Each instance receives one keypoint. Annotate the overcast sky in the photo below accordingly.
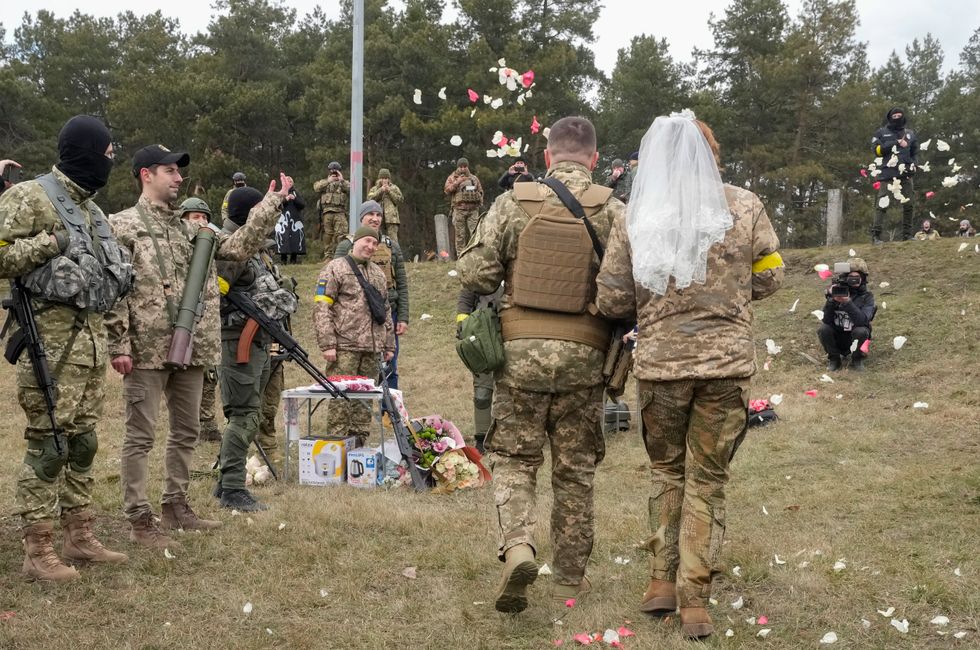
(886, 25)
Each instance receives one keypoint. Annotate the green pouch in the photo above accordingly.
(480, 344)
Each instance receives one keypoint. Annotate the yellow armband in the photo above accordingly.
(223, 286)
(461, 317)
(770, 261)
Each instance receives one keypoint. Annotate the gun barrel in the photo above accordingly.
(190, 299)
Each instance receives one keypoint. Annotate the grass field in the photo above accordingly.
(854, 474)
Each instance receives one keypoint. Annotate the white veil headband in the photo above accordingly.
(677, 209)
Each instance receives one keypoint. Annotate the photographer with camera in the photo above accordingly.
(11, 172)
(516, 173)
(847, 315)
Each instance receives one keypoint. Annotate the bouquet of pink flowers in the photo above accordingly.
(443, 452)
(455, 471)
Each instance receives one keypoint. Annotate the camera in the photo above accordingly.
(839, 290)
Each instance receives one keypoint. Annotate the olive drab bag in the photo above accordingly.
(480, 344)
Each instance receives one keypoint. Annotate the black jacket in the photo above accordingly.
(885, 144)
(858, 312)
(507, 181)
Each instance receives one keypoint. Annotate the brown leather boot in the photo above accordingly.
(80, 542)
(695, 622)
(40, 560)
(178, 515)
(660, 598)
(520, 570)
(146, 532)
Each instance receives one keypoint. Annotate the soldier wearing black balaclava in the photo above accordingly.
(896, 149)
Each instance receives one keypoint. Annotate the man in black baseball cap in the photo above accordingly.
(157, 154)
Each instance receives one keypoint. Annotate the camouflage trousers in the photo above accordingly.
(271, 397)
(241, 397)
(691, 429)
(482, 401)
(209, 428)
(78, 407)
(334, 225)
(391, 229)
(523, 423)
(351, 417)
(465, 220)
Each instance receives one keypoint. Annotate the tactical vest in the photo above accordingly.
(334, 196)
(465, 195)
(273, 295)
(551, 284)
(91, 275)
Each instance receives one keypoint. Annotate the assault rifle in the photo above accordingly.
(27, 337)
(258, 319)
(409, 453)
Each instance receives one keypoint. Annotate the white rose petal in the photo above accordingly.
(957, 572)
(924, 167)
(950, 181)
(865, 623)
(738, 603)
(802, 565)
(959, 635)
(772, 348)
(764, 511)
(442, 93)
(925, 145)
(418, 96)
(839, 396)
(456, 140)
(324, 593)
(167, 554)
(828, 638)
(884, 304)
(898, 342)
(545, 570)
(247, 609)
(453, 273)
(821, 267)
(764, 632)
(750, 621)
(776, 400)
(496, 103)
(712, 601)
(887, 612)
(883, 202)
(793, 308)
(425, 317)
(921, 405)
(473, 112)
(940, 620)
(884, 285)
(729, 633)
(827, 379)
(282, 525)
(900, 625)
(852, 253)
(854, 345)
(941, 145)
(737, 571)
(818, 313)
(839, 565)
(546, 132)
(610, 637)
(502, 62)
(778, 561)
(962, 247)
(621, 560)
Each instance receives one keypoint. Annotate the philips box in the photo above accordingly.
(323, 461)
(364, 467)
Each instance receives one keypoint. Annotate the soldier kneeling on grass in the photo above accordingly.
(847, 316)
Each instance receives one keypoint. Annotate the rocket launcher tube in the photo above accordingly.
(192, 300)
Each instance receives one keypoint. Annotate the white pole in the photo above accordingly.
(357, 115)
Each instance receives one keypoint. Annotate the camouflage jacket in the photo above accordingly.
(341, 315)
(454, 189)
(621, 186)
(140, 326)
(540, 365)
(224, 208)
(705, 330)
(395, 275)
(334, 195)
(389, 199)
(27, 221)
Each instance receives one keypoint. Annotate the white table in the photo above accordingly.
(292, 400)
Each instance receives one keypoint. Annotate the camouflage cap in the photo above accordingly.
(384, 173)
(365, 231)
(858, 264)
(462, 161)
(194, 204)
(334, 166)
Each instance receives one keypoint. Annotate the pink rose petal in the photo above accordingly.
(929, 195)
(876, 185)
(825, 274)
(535, 125)
(810, 393)
(474, 96)
(625, 632)
(570, 602)
(864, 172)
(584, 638)
(763, 620)
(527, 78)
(866, 346)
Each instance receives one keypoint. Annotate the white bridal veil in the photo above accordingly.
(677, 208)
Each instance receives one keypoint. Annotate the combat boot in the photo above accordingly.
(520, 571)
(80, 542)
(178, 515)
(562, 593)
(40, 560)
(857, 363)
(241, 500)
(146, 532)
(660, 598)
(833, 362)
(695, 622)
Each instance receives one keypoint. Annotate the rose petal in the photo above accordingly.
(474, 96)
(570, 602)
(828, 638)
(247, 609)
(810, 393)
(900, 625)
(456, 140)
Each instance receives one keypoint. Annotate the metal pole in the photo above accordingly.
(835, 217)
(357, 114)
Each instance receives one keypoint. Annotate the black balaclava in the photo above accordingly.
(240, 202)
(895, 124)
(81, 152)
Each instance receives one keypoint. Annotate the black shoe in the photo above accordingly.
(241, 500)
(216, 492)
(833, 363)
(479, 445)
(857, 363)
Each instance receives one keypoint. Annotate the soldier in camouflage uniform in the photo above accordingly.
(466, 304)
(33, 239)
(198, 213)
(388, 257)
(140, 330)
(549, 391)
(694, 358)
(347, 335)
(243, 382)
(466, 197)
(237, 180)
(334, 194)
(390, 197)
(619, 179)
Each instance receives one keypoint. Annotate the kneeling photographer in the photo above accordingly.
(847, 315)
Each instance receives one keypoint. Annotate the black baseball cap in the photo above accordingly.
(157, 154)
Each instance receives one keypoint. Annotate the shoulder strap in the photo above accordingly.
(575, 208)
(167, 287)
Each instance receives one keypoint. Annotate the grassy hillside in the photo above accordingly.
(854, 474)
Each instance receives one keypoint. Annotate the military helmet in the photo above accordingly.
(334, 166)
(238, 177)
(858, 264)
(194, 204)
(384, 173)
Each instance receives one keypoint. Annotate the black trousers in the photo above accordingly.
(837, 342)
(908, 227)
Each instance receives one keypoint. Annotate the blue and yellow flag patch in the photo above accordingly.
(321, 293)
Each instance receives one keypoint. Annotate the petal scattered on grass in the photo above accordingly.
(247, 609)
(959, 635)
(778, 560)
(621, 560)
(900, 625)
(898, 342)
(570, 602)
(839, 565)
(763, 620)
(737, 571)
(810, 393)
(583, 637)
(827, 379)
(453, 273)
(962, 247)
(764, 511)
(776, 400)
(729, 633)
(852, 253)
(887, 612)
(610, 637)
(410, 573)
(282, 525)
(738, 604)
(764, 632)
(957, 572)
(941, 145)
(324, 593)
(828, 638)
(425, 317)
(167, 554)
(793, 308)
(772, 348)
(940, 620)
(865, 623)
(921, 405)
(884, 285)
(442, 93)
(818, 313)
(883, 202)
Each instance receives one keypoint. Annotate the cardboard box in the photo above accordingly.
(322, 461)
(364, 468)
